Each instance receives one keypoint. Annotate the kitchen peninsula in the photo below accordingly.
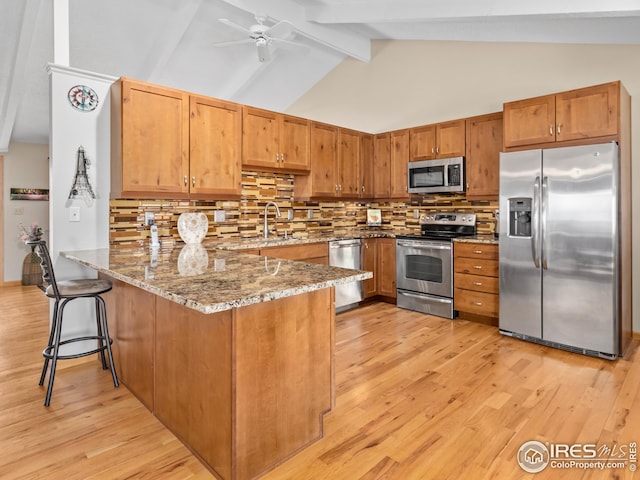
(233, 352)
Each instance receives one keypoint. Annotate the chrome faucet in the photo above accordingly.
(266, 226)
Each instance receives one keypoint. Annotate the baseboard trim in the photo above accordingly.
(11, 283)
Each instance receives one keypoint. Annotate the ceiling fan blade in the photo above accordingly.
(231, 24)
(288, 45)
(281, 29)
(233, 42)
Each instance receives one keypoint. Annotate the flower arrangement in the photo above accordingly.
(32, 233)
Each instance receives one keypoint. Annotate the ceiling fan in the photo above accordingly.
(263, 36)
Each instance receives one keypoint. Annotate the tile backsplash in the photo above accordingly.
(244, 217)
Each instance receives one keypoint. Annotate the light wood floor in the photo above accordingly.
(418, 397)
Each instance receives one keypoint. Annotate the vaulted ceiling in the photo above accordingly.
(173, 42)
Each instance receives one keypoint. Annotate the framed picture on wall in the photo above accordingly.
(29, 194)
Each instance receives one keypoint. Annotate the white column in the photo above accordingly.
(61, 32)
(71, 128)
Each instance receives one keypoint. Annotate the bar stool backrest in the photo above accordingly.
(47, 267)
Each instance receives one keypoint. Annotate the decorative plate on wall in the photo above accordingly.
(83, 98)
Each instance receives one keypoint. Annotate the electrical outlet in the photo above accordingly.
(74, 214)
(416, 213)
(219, 216)
(149, 218)
(310, 214)
(290, 214)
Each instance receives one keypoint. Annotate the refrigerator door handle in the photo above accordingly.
(536, 223)
(543, 226)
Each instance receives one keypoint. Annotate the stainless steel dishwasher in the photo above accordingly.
(347, 254)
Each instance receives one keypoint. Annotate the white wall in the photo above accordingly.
(25, 165)
(410, 83)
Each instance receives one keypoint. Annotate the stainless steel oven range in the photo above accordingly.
(424, 263)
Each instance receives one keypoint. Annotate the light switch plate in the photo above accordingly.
(219, 216)
(74, 214)
(310, 214)
(416, 213)
(290, 214)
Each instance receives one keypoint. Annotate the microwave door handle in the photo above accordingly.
(536, 223)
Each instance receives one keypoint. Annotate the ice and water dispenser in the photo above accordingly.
(520, 217)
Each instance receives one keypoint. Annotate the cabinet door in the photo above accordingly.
(529, 122)
(587, 112)
(484, 143)
(155, 139)
(399, 163)
(215, 147)
(324, 159)
(369, 257)
(450, 139)
(349, 163)
(382, 166)
(366, 167)
(294, 144)
(386, 270)
(423, 143)
(259, 138)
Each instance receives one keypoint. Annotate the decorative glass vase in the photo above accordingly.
(192, 227)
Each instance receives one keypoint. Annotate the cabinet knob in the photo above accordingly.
(433, 150)
(478, 252)
(558, 129)
(362, 188)
(437, 150)
(282, 157)
(479, 304)
(477, 284)
(551, 130)
(185, 181)
(478, 267)
(193, 181)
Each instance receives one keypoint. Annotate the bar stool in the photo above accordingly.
(63, 292)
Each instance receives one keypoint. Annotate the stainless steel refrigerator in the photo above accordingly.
(559, 248)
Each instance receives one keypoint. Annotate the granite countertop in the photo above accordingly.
(487, 238)
(211, 280)
(260, 242)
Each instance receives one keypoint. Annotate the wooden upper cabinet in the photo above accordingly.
(366, 166)
(294, 141)
(423, 142)
(259, 138)
(215, 147)
(150, 141)
(588, 112)
(275, 142)
(399, 164)
(442, 140)
(450, 139)
(531, 121)
(484, 143)
(324, 156)
(572, 116)
(382, 165)
(349, 184)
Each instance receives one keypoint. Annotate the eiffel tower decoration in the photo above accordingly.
(81, 186)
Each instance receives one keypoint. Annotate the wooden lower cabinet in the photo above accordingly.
(309, 252)
(245, 388)
(370, 264)
(379, 257)
(476, 283)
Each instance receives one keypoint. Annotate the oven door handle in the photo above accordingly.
(431, 299)
(424, 246)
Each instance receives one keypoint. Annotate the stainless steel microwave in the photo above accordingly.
(443, 175)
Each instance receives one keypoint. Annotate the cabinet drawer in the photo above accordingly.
(476, 250)
(476, 266)
(481, 303)
(298, 252)
(477, 283)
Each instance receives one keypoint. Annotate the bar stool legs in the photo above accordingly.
(52, 352)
